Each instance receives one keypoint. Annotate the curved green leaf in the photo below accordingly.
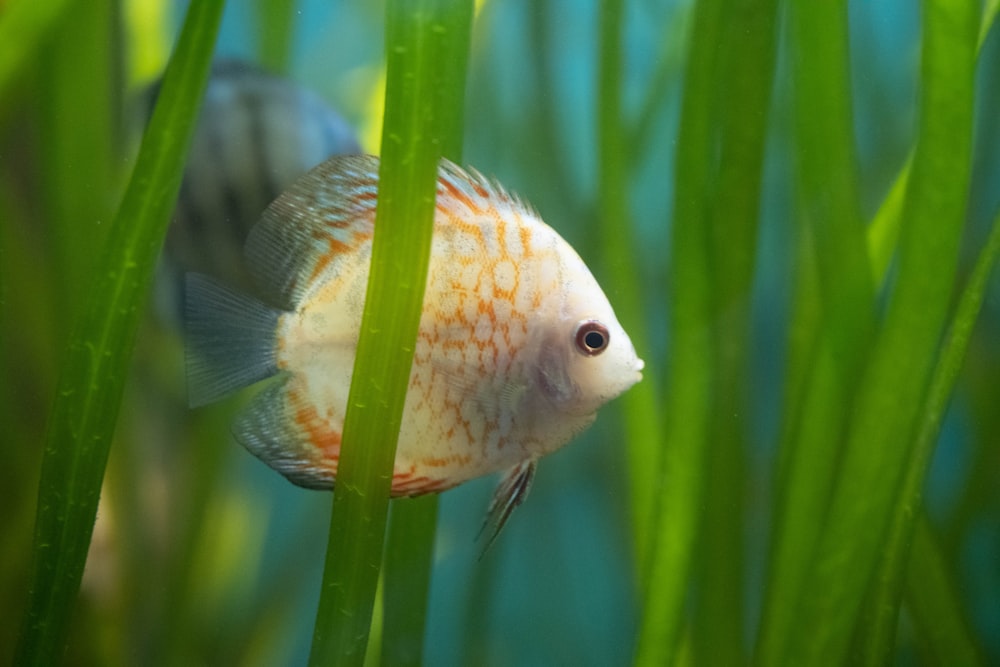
(689, 391)
(96, 362)
(887, 405)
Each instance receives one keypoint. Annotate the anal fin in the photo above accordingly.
(269, 427)
(510, 492)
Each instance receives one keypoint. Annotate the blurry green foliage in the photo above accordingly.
(793, 279)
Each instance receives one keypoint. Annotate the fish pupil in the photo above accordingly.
(591, 337)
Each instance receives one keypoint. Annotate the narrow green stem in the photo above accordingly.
(689, 397)
(24, 24)
(409, 550)
(990, 10)
(96, 362)
(550, 135)
(883, 232)
(826, 170)
(745, 74)
(888, 588)
(833, 315)
(887, 405)
(78, 75)
(937, 609)
(642, 419)
(422, 98)
(409, 557)
(663, 85)
(275, 32)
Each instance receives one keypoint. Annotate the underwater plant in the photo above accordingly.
(793, 208)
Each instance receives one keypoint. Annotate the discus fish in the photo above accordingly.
(256, 134)
(517, 347)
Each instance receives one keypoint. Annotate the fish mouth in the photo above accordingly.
(637, 366)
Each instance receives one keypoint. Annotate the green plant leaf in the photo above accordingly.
(24, 24)
(887, 404)
(642, 420)
(833, 312)
(937, 609)
(990, 10)
(409, 557)
(96, 362)
(689, 391)
(78, 70)
(409, 549)
(888, 589)
(745, 73)
(423, 105)
(275, 32)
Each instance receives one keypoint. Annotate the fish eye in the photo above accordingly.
(591, 338)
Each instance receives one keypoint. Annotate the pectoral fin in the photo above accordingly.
(510, 493)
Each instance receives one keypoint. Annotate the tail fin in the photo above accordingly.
(229, 340)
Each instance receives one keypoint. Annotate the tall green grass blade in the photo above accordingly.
(802, 354)
(826, 170)
(548, 132)
(275, 32)
(809, 447)
(27, 339)
(24, 24)
(421, 101)
(887, 404)
(688, 398)
(198, 488)
(19, 324)
(990, 10)
(642, 420)
(6, 407)
(670, 60)
(883, 232)
(409, 557)
(96, 362)
(832, 342)
(935, 605)
(888, 589)
(409, 551)
(878, 630)
(745, 74)
(78, 91)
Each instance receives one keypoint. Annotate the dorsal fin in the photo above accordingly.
(331, 208)
(469, 189)
(325, 212)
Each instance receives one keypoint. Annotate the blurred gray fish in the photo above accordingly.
(257, 133)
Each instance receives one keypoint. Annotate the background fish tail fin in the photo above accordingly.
(229, 339)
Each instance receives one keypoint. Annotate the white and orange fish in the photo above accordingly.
(517, 348)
